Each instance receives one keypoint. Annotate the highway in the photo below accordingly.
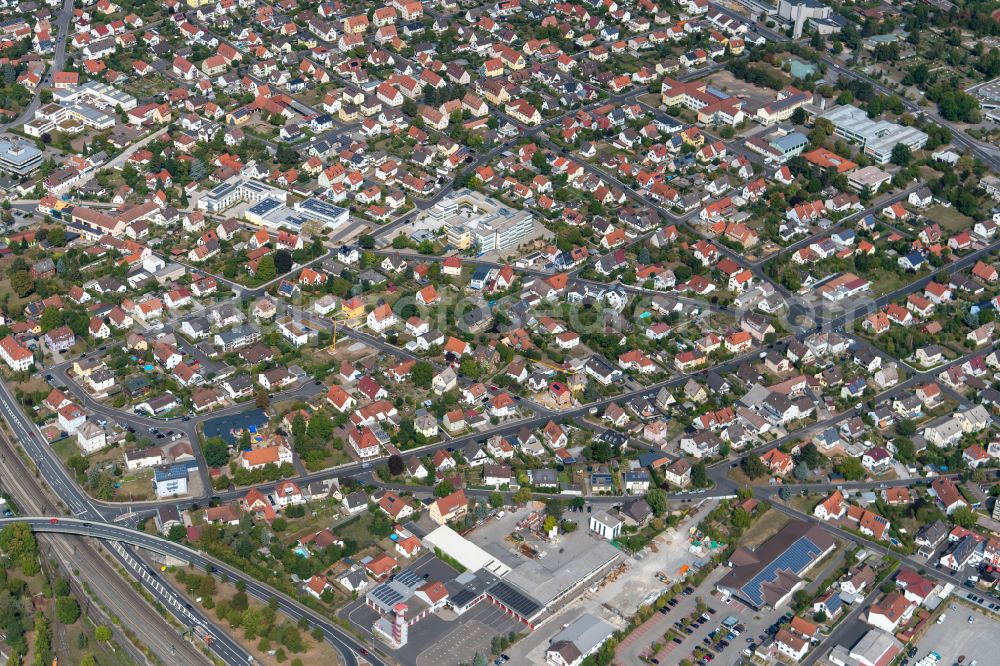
(81, 505)
(345, 643)
(83, 559)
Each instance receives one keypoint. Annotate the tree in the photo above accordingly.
(906, 452)
(18, 541)
(262, 398)
(176, 533)
(811, 456)
(901, 154)
(801, 600)
(522, 496)
(21, 283)
(282, 261)
(79, 465)
(422, 374)
(51, 318)
(906, 427)
(656, 498)
(699, 476)
(740, 519)
(445, 487)
(266, 269)
(56, 236)
(496, 500)
(396, 466)
(601, 451)
(550, 523)
(754, 467)
(965, 517)
(102, 632)
(801, 471)
(286, 155)
(67, 610)
(216, 452)
(850, 468)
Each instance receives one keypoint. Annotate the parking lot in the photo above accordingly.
(750, 624)
(978, 641)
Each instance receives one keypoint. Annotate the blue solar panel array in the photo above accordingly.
(795, 558)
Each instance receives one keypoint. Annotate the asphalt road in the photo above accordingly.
(83, 508)
(82, 558)
(345, 643)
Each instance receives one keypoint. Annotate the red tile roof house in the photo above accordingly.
(450, 507)
(778, 462)
(317, 585)
(381, 566)
(891, 612)
(395, 506)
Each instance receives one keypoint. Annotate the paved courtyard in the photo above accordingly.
(470, 633)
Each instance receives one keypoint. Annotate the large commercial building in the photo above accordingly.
(778, 147)
(798, 13)
(783, 107)
(274, 214)
(236, 190)
(878, 137)
(712, 105)
(321, 211)
(768, 576)
(19, 157)
(471, 219)
(96, 94)
(71, 119)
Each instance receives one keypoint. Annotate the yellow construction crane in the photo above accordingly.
(333, 347)
(557, 368)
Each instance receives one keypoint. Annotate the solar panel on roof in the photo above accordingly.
(795, 558)
(517, 601)
(387, 595)
(409, 578)
(463, 597)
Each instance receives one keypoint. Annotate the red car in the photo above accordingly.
(53, 521)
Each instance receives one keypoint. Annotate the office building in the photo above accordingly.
(798, 13)
(878, 137)
(19, 157)
(274, 214)
(471, 219)
(97, 94)
(71, 119)
(321, 211)
(236, 190)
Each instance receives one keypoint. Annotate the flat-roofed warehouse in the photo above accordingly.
(483, 579)
(466, 553)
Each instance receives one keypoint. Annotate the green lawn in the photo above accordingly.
(359, 530)
(65, 448)
(949, 218)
